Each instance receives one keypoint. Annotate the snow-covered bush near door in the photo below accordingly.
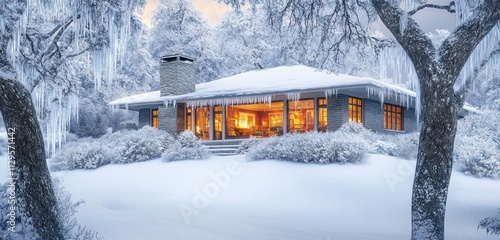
(336, 147)
(188, 146)
(246, 145)
(477, 144)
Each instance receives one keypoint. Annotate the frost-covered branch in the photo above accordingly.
(413, 40)
(450, 8)
(457, 48)
(60, 31)
(462, 92)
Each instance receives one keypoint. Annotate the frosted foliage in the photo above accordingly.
(99, 27)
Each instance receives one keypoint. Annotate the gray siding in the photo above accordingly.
(144, 117)
(177, 78)
(410, 120)
(373, 115)
(337, 111)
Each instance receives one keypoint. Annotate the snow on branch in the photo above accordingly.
(461, 93)
(450, 8)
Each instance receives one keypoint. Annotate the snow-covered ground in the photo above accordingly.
(230, 198)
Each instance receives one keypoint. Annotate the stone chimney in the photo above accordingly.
(176, 75)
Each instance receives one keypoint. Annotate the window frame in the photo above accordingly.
(154, 117)
(393, 117)
(355, 109)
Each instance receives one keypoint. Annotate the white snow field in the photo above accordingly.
(237, 199)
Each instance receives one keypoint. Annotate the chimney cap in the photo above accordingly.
(176, 58)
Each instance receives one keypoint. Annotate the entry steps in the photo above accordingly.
(223, 147)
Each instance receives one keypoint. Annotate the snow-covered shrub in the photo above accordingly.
(66, 210)
(397, 145)
(125, 146)
(336, 147)
(136, 146)
(477, 144)
(84, 154)
(491, 224)
(246, 145)
(478, 156)
(188, 146)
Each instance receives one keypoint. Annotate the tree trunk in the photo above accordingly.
(434, 161)
(35, 199)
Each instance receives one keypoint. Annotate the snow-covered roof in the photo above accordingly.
(261, 85)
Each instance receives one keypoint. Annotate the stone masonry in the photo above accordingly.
(177, 76)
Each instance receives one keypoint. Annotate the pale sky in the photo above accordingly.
(213, 11)
(429, 19)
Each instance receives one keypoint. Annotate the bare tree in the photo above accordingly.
(437, 70)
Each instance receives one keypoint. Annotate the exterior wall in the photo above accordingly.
(167, 119)
(177, 78)
(373, 115)
(144, 117)
(337, 111)
(181, 117)
(410, 120)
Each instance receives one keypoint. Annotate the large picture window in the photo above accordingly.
(301, 116)
(355, 110)
(393, 117)
(257, 120)
(154, 118)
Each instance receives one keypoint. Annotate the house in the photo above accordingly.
(269, 102)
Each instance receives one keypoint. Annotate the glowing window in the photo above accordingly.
(355, 110)
(393, 117)
(154, 117)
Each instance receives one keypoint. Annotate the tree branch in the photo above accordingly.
(414, 41)
(76, 53)
(457, 48)
(462, 92)
(60, 31)
(450, 8)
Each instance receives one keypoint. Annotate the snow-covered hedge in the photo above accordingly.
(187, 146)
(477, 145)
(84, 154)
(348, 144)
(127, 146)
(246, 145)
(343, 146)
(142, 145)
(397, 145)
(119, 147)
